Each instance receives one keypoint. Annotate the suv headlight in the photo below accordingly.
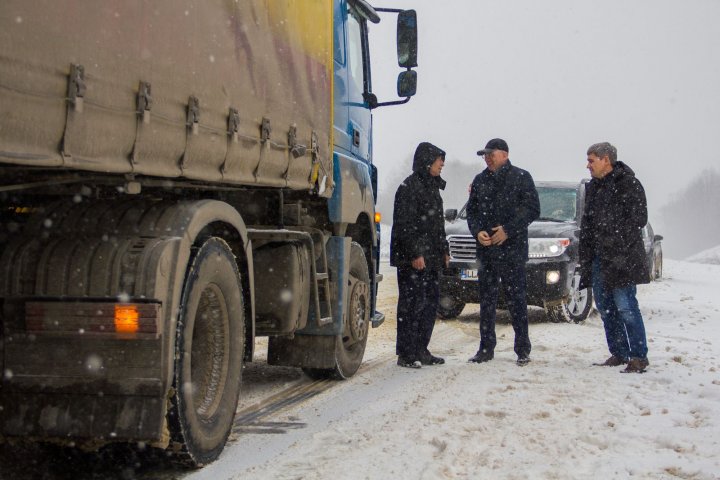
(547, 247)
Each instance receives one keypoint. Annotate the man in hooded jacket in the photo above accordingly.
(419, 249)
(612, 254)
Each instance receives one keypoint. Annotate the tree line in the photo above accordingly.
(454, 196)
(691, 218)
(689, 221)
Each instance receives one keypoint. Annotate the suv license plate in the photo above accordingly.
(468, 274)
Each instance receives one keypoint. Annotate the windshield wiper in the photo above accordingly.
(550, 219)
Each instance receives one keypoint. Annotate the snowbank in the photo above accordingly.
(711, 256)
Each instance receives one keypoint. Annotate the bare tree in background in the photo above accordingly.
(458, 176)
(691, 220)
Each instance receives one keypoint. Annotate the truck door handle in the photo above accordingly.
(356, 137)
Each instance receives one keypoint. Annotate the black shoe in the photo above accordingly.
(430, 359)
(522, 360)
(408, 362)
(482, 356)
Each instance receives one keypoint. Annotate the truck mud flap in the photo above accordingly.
(310, 351)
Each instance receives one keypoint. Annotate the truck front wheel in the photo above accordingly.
(208, 355)
(350, 344)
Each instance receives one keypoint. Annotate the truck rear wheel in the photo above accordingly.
(350, 344)
(208, 354)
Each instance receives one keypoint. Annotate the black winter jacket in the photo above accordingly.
(506, 197)
(418, 223)
(611, 229)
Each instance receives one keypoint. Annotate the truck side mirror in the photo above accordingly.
(407, 56)
(407, 83)
(451, 214)
(407, 39)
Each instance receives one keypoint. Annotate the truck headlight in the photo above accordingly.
(547, 247)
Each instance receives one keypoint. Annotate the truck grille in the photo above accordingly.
(462, 247)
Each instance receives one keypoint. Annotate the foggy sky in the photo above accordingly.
(551, 78)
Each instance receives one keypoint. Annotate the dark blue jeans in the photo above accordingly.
(418, 299)
(510, 276)
(620, 313)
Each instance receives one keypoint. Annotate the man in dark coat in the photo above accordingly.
(503, 202)
(612, 255)
(419, 249)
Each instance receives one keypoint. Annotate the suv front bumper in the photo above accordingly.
(539, 292)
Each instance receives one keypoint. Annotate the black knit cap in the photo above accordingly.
(494, 144)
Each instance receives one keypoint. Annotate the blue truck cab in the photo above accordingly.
(354, 101)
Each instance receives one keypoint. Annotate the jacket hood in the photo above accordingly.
(622, 168)
(425, 155)
(619, 170)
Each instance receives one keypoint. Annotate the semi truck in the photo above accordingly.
(177, 179)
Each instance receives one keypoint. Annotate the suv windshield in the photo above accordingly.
(557, 204)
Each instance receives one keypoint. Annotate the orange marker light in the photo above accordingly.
(378, 217)
(126, 318)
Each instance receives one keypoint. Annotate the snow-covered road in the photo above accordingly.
(557, 418)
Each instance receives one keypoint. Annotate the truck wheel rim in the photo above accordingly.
(209, 361)
(358, 310)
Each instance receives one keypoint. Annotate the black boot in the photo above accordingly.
(429, 359)
(408, 362)
(482, 356)
(522, 360)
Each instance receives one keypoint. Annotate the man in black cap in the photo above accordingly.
(503, 202)
(419, 249)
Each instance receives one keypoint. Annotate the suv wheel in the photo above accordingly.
(449, 307)
(577, 306)
(657, 267)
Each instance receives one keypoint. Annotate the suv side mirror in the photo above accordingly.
(658, 238)
(407, 83)
(451, 214)
(407, 39)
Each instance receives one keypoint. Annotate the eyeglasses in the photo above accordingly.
(488, 153)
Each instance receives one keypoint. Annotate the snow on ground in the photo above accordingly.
(711, 255)
(557, 418)
(385, 231)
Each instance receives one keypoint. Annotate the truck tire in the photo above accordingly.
(576, 308)
(449, 307)
(208, 355)
(350, 344)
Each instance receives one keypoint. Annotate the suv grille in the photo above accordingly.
(462, 247)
